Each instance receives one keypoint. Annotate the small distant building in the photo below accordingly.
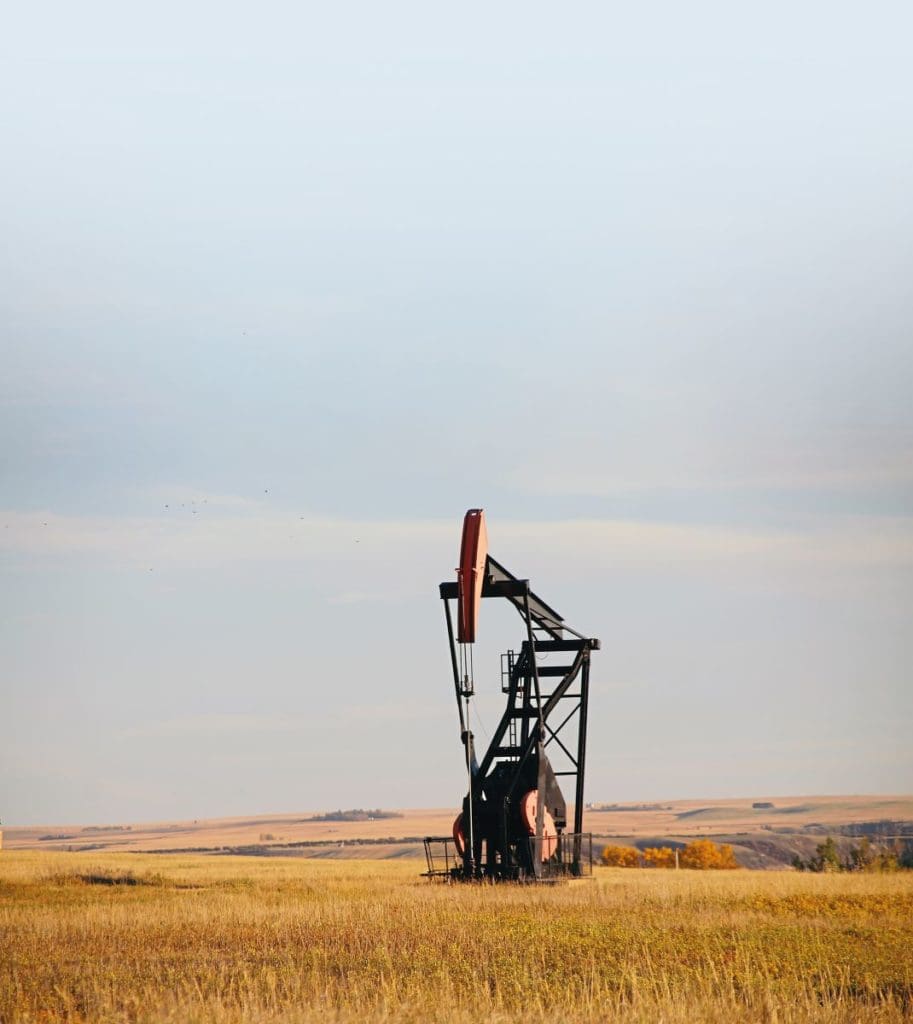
(762, 805)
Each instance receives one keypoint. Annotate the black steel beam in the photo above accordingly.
(581, 741)
(547, 646)
(545, 616)
(490, 588)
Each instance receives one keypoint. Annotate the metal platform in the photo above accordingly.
(573, 858)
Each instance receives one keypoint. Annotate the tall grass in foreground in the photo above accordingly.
(89, 937)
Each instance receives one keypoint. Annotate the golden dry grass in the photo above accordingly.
(226, 940)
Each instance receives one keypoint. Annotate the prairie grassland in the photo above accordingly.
(121, 937)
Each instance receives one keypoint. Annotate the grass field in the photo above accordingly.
(127, 937)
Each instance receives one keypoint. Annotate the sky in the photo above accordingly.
(286, 288)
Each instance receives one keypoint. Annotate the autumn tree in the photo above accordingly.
(827, 857)
(704, 854)
(659, 857)
(865, 856)
(621, 857)
(862, 857)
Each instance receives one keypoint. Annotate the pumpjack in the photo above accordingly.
(514, 823)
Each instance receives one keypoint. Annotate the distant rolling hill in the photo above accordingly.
(768, 835)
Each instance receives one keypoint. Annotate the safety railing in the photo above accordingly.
(441, 857)
(572, 857)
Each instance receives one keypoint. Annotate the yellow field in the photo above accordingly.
(195, 938)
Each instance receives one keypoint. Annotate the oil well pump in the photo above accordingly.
(514, 821)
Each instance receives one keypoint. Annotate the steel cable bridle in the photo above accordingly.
(467, 675)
